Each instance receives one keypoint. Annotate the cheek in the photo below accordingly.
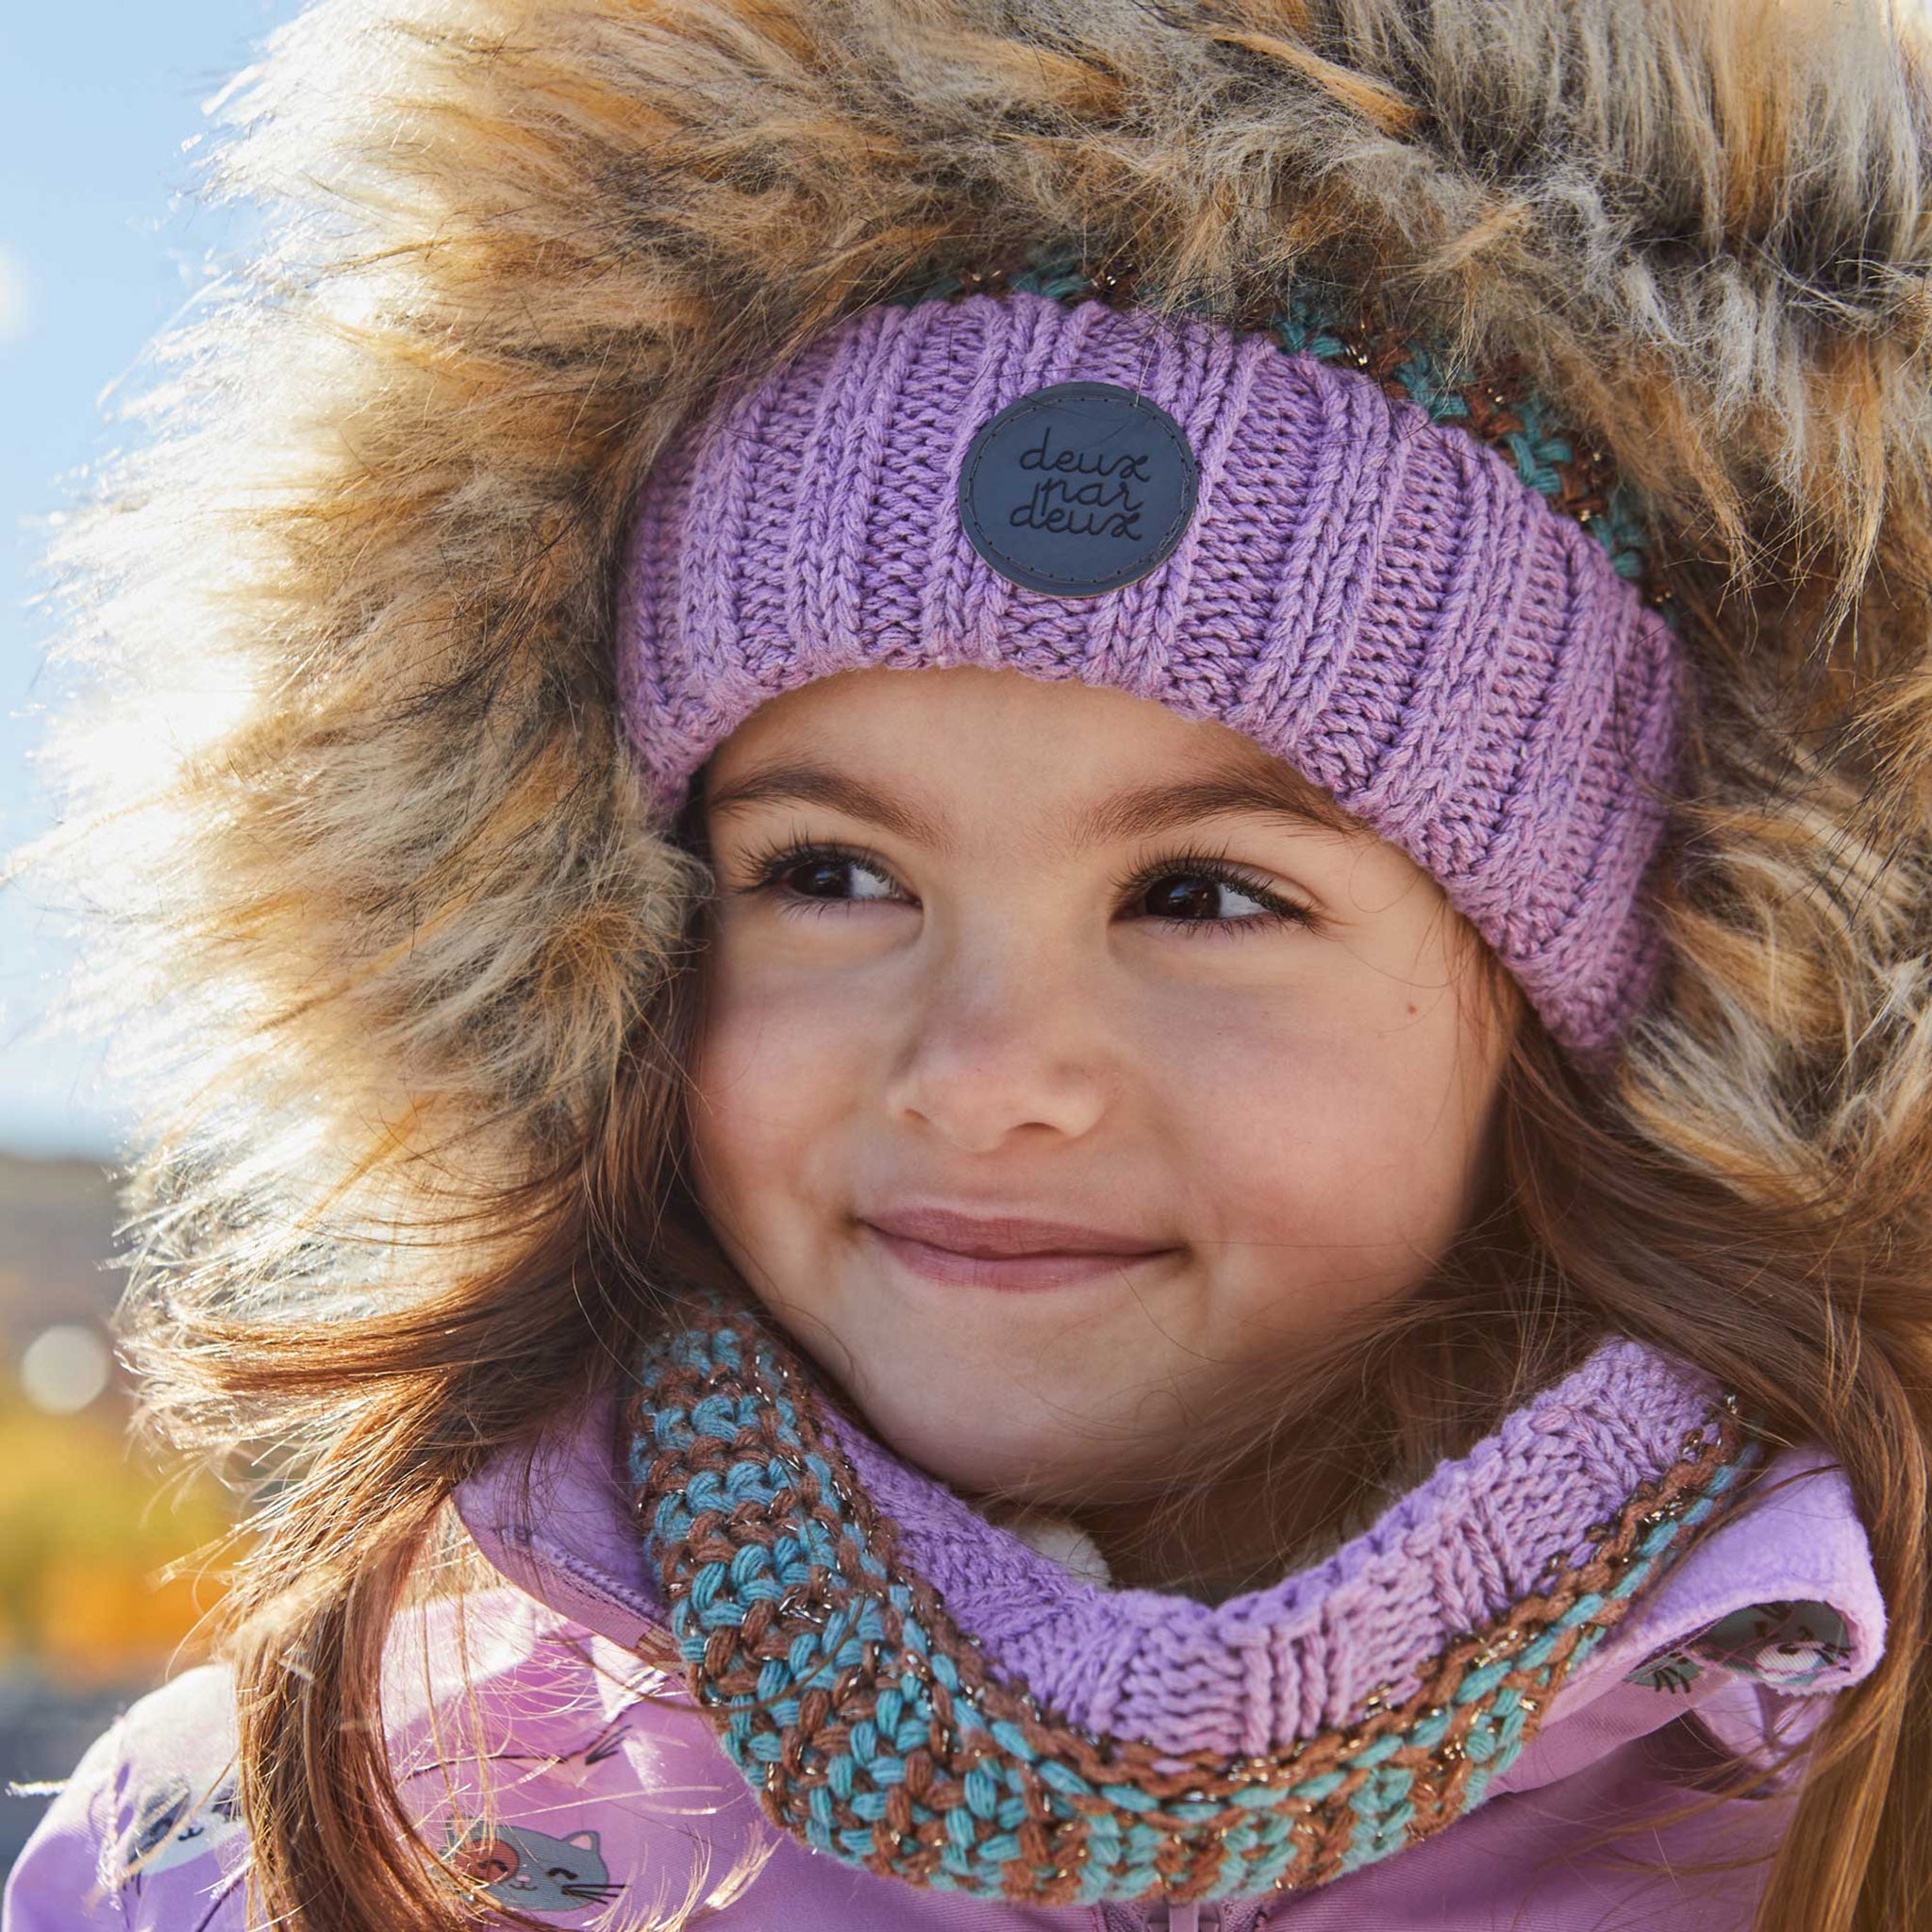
(1334, 1147)
(777, 1063)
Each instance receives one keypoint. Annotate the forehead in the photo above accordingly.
(999, 741)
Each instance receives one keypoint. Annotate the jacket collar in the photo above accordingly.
(554, 1520)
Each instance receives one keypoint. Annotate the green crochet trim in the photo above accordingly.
(1328, 322)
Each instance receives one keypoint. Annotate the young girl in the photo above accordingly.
(1035, 903)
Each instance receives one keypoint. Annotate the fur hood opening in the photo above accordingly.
(379, 898)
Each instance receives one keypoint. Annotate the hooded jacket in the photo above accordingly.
(610, 1800)
(381, 879)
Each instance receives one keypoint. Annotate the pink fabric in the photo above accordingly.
(1375, 598)
(604, 1780)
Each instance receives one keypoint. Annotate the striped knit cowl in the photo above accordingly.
(909, 1688)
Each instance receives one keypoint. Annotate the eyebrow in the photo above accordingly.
(815, 785)
(1266, 787)
(1258, 785)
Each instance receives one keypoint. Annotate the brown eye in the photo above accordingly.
(1194, 897)
(829, 878)
(819, 879)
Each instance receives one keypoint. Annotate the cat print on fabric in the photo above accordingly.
(1785, 1646)
(174, 1822)
(1669, 1670)
(580, 1766)
(536, 1873)
(576, 1766)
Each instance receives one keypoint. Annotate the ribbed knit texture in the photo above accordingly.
(1375, 597)
(1257, 1672)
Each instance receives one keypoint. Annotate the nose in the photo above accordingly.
(1004, 1045)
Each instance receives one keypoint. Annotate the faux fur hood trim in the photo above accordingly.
(349, 787)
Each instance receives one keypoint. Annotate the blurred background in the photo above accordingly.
(99, 248)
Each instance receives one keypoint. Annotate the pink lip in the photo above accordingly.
(1006, 1251)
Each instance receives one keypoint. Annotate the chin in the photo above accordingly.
(981, 1457)
(947, 1402)
(988, 1452)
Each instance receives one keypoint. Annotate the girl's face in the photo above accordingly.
(1064, 1059)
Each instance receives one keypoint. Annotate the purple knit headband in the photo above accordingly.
(1245, 535)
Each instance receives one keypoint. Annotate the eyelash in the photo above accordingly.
(770, 864)
(1280, 910)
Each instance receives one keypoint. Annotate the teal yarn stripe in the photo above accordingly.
(1126, 1828)
(1312, 320)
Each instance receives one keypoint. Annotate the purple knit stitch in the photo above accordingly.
(1376, 598)
(1260, 1671)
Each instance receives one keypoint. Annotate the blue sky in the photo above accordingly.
(98, 249)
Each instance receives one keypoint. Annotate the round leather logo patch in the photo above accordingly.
(1077, 488)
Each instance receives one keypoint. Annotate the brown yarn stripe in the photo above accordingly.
(1379, 347)
(1189, 1862)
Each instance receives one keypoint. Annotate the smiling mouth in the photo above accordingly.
(1008, 1252)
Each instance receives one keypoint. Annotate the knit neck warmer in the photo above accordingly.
(911, 1689)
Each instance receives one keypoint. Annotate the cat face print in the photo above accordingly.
(1785, 1647)
(536, 1873)
(1788, 1646)
(175, 1822)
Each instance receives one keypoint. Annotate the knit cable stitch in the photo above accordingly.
(875, 1729)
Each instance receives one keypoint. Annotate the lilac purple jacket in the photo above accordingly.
(611, 1804)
